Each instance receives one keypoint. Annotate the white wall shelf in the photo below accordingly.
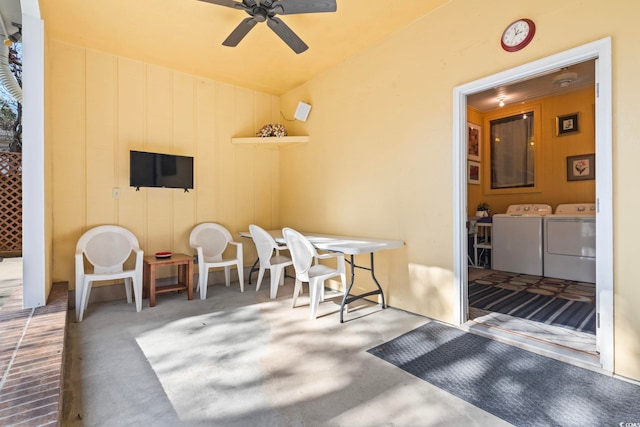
(272, 141)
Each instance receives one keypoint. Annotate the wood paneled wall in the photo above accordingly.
(553, 154)
(101, 106)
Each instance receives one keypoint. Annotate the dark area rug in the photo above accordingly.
(520, 387)
(549, 286)
(576, 315)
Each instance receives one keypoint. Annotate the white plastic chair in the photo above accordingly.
(210, 240)
(107, 247)
(276, 263)
(305, 262)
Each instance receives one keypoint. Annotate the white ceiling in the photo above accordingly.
(533, 88)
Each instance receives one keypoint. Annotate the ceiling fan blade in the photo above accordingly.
(228, 3)
(290, 7)
(287, 35)
(240, 31)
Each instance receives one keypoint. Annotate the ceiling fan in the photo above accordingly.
(266, 10)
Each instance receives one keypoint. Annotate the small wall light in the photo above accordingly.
(302, 112)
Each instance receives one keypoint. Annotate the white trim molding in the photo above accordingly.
(599, 50)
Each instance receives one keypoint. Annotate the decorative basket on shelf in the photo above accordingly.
(272, 129)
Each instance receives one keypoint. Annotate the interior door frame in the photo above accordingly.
(600, 50)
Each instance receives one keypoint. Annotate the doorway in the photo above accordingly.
(600, 52)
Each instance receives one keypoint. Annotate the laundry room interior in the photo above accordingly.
(531, 206)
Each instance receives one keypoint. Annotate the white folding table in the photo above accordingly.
(351, 246)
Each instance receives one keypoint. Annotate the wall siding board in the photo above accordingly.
(274, 161)
(225, 156)
(184, 143)
(101, 158)
(132, 205)
(245, 160)
(205, 157)
(159, 139)
(263, 164)
(67, 130)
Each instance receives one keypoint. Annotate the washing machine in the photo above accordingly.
(518, 239)
(570, 242)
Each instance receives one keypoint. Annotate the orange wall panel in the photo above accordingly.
(554, 186)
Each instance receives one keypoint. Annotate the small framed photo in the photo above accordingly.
(567, 124)
(473, 172)
(474, 146)
(581, 167)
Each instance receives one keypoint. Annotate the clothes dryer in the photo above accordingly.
(570, 243)
(518, 239)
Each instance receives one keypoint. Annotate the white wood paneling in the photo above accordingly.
(101, 130)
(184, 143)
(132, 207)
(122, 105)
(67, 135)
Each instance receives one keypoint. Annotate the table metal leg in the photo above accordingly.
(253, 269)
(346, 299)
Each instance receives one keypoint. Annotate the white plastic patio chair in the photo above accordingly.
(106, 248)
(269, 258)
(305, 262)
(210, 240)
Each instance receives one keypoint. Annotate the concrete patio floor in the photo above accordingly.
(241, 359)
(10, 277)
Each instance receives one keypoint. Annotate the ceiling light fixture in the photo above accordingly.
(15, 37)
(565, 79)
(501, 103)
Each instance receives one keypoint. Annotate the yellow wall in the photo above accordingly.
(552, 154)
(381, 159)
(102, 105)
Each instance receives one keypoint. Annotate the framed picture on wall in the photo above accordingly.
(567, 124)
(474, 139)
(473, 172)
(581, 167)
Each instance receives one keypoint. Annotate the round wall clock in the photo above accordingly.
(518, 34)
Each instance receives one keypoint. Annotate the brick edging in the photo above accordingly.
(32, 360)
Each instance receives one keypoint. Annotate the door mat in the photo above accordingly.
(576, 315)
(522, 388)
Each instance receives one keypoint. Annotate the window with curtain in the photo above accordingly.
(513, 151)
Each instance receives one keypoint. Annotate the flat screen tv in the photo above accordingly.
(160, 170)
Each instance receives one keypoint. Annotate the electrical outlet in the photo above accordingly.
(115, 192)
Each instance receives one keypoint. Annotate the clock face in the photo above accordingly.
(518, 34)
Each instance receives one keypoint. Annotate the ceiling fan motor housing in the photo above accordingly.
(266, 10)
(260, 14)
